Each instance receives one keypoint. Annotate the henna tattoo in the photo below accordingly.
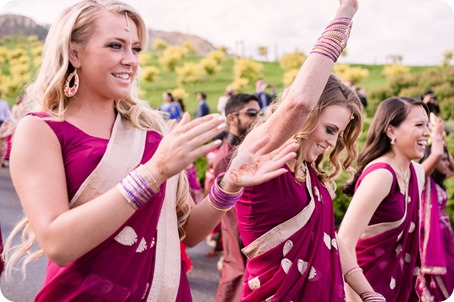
(246, 169)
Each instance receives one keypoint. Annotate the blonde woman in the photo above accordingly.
(99, 177)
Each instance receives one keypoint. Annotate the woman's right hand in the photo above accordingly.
(347, 8)
(184, 144)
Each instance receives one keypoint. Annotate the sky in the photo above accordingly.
(418, 30)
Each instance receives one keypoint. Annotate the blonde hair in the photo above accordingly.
(73, 28)
(334, 93)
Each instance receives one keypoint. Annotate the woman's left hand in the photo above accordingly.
(249, 169)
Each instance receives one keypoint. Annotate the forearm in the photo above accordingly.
(202, 220)
(355, 281)
(76, 231)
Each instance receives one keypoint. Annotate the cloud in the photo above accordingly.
(418, 30)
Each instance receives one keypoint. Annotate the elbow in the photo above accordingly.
(58, 256)
(189, 242)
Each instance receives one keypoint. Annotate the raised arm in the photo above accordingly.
(437, 149)
(300, 98)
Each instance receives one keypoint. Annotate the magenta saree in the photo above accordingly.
(436, 278)
(289, 233)
(388, 250)
(123, 267)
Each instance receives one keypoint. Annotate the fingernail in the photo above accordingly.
(221, 126)
(217, 142)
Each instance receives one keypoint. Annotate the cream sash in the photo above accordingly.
(283, 231)
(375, 229)
(123, 154)
(166, 278)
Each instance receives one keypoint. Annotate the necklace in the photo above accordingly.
(406, 179)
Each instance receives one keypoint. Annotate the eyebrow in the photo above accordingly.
(124, 41)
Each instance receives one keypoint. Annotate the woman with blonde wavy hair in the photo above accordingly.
(287, 224)
(100, 177)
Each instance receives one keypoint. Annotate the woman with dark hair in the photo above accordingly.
(381, 222)
(436, 277)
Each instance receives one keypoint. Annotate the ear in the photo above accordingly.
(230, 118)
(391, 132)
(74, 57)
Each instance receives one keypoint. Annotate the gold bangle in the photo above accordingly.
(146, 173)
(352, 271)
(215, 207)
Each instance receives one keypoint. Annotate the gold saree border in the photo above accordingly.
(283, 231)
(124, 152)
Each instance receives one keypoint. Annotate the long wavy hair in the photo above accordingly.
(391, 112)
(334, 93)
(73, 28)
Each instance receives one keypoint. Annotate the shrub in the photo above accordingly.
(190, 73)
(247, 69)
(149, 74)
(292, 60)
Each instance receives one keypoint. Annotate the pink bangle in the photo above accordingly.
(221, 200)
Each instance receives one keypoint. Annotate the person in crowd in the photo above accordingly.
(100, 178)
(287, 224)
(171, 107)
(202, 107)
(241, 110)
(430, 99)
(222, 101)
(381, 223)
(262, 95)
(4, 111)
(436, 277)
(7, 131)
(361, 92)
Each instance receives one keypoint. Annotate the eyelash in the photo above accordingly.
(119, 46)
(330, 131)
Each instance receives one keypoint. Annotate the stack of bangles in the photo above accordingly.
(372, 297)
(138, 187)
(221, 200)
(334, 39)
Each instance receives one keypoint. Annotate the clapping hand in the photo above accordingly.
(184, 144)
(249, 168)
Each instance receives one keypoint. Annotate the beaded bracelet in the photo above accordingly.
(372, 297)
(352, 271)
(334, 38)
(136, 188)
(221, 200)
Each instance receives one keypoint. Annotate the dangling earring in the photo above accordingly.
(71, 90)
(393, 140)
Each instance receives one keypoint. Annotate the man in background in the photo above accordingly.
(241, 110)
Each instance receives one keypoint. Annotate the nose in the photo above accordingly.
(426, 131)
(130, 58)
(331, 141)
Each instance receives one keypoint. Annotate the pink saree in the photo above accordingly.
(289, 233)
(436, 278)
(124, 267)
(388, 250)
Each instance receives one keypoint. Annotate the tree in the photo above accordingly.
(263, 52)
(447, 57)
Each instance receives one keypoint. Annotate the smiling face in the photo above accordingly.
(108, 63)
(332, 122)
(411, 135)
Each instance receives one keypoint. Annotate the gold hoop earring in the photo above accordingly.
(71, 90)
(393, 140)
